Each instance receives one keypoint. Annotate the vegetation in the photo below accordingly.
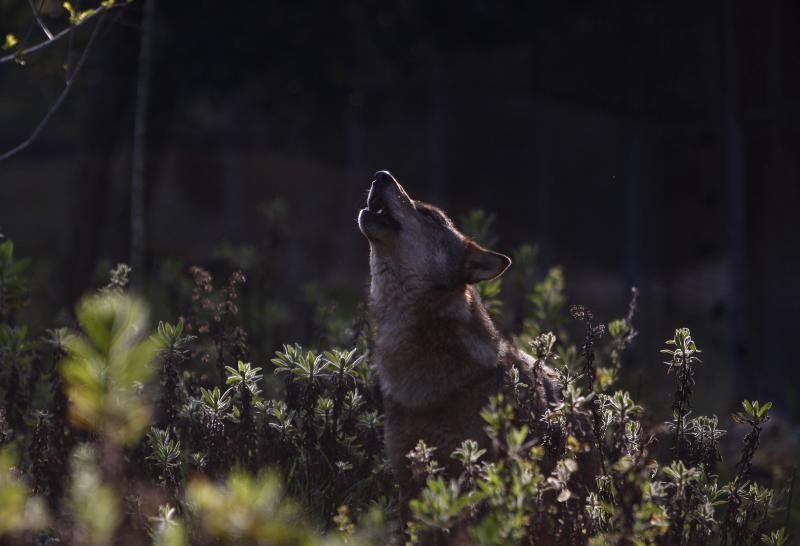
(112, 431)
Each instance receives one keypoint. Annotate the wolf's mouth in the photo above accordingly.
(378, 211)
(385, 202)
(376, 219)
(377, 205)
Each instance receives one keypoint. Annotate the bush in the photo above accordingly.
(112, 433)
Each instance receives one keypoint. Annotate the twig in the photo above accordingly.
(34, 48)
(39, 20)
(60, 100)
(70, 57)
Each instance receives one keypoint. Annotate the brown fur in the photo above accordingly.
(439, 357)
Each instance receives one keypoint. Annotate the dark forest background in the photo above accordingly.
(635, 142)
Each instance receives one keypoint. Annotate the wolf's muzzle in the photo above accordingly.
(376, 219)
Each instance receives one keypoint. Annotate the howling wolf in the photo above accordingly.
(439, 356)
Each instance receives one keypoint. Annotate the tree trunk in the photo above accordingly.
(139, 159)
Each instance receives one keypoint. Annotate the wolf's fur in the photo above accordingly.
(439, 356)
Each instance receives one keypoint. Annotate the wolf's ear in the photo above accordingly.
(481, 264)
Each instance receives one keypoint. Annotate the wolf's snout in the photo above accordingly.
(375, 200)
(385, 187)
(380, 183)
(382, 177)
(380, 216)
(378, 191)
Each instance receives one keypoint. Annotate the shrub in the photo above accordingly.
(175, 437)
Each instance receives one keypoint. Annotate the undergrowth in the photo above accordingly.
(115, 430)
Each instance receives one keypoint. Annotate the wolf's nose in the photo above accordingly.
(381, 177)
(381, 181)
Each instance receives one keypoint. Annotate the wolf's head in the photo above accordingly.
(416, 250)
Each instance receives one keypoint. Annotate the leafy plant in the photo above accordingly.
(106, 367)
(233, 455)
(14, 289)
(683, 352)
(166, 452)
(244, 377)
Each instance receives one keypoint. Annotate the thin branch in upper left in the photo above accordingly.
(60, 100)
(39, 20)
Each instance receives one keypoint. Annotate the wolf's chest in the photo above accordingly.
(443, 426)
(423, 367)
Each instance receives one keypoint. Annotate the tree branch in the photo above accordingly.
(101, 10)
(40, 21)
(60, 100)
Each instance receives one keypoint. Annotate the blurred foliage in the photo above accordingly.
(94, 504)
(20, 511)
(253, 511)
(108, 366)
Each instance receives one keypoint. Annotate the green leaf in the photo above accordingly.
(6, 251)
(10, 41)
(71, 11)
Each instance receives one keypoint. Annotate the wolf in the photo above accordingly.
(438, 355)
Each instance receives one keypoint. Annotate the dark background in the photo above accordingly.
(636, 142)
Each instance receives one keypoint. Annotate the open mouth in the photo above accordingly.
(377, 218)
(377, 205)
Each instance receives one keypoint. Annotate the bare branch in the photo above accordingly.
(40, 21)
(60, 100)
(101, 10)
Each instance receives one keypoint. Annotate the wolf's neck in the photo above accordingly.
(430, 347)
